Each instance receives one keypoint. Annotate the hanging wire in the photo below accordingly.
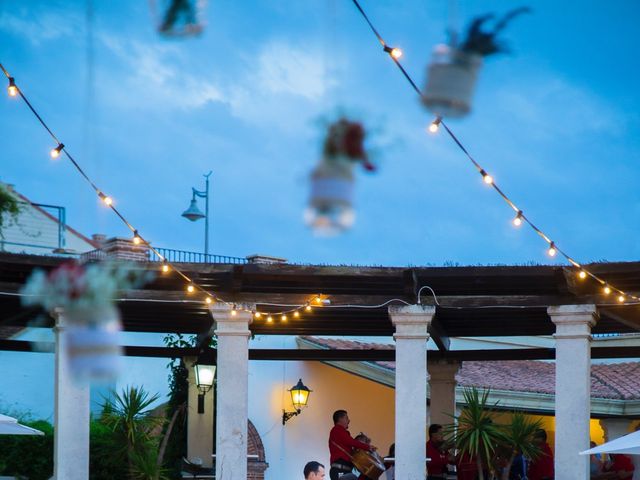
(553, 247)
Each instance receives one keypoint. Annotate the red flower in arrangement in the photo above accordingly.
(346, 138)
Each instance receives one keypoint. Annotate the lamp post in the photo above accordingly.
(193, 213)
(299, 397)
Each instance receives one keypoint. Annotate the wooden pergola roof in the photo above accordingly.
(472, 301)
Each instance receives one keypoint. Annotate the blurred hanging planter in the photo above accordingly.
(84, 296)
(179, 18)
(454, 69)
(330, 209)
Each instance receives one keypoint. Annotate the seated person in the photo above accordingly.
(621, 467)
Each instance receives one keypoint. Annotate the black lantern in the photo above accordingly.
(299, 397)
(205, 375)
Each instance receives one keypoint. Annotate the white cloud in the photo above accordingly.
(39, 27)
(553, 106)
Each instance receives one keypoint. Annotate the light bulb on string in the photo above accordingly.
(517, 221)
(190, 288)
(552, 250)
(283, 318)
(621, 298)
(165, 267)
(208, 300)
(296, 314)
(582, 275)
(435, 125)
(257, 315)
(55, 152)
(269, 319)
(395, 52)
(234, 312)
(308, 308)
(108, 201)
(606, 289)
(488, 179)
(136, 238)
(12, 89)
(318, 300)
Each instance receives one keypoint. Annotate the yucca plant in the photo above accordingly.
(519, 434)
(475, 433)
(136, 431)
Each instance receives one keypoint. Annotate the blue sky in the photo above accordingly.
(556, 124)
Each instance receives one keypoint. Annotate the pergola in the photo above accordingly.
(469, 301)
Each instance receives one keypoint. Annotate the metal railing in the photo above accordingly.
(183, 256)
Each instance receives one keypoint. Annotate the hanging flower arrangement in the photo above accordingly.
(330, 209)
(180, 18)
(85, 296)
(454, 69)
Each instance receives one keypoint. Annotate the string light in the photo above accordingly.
(106, 199)
(582, 274)
(552, 250)
(55, 152)
(517, 221)
(234, 312)
(283, 318)
(396, 53)
(208, 300)
(435, 125)
(296, 314)
(165, 267)
(12, 89)
(318, 300)
(606, 289)
(269, 319)
(308, 308)
(257, 315)
(136, 238)
(488, 179)
(621, 298)
(190, 288)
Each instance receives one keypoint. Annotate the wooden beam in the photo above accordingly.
(439, 335)
(323, 355)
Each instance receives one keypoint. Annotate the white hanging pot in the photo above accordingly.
(451, 81)
(93, 349)
(330, 209)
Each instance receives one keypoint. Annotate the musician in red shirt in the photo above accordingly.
(341, 446)
(621, 467)
(438, 457)
(542, 467)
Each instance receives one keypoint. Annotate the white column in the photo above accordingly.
(233, 334)
(199, 425)
(442, 391)
(615, 428)
(411, 337)
(573, 388)
(71, 415)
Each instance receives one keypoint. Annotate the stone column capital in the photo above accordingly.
(573, 321)
(232, 321)
(443, 371)
(411, 321)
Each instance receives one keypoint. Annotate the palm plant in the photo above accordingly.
(519, 435)
(475, 433)
(137, 432)
(9, 205)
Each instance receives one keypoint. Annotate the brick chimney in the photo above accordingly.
(124, 249)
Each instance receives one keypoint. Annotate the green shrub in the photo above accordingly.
(28, 456)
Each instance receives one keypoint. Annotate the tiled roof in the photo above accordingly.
(619, 381)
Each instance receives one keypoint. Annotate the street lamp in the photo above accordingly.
(204, 381)
(193, 213)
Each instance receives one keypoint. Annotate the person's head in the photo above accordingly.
(392, 450)
(361, 437)
(436, 434)
(314, 471)
(340, 417)
(540, 437)
(592, 444)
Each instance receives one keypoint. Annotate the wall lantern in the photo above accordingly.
(205, 375)
(299, 398)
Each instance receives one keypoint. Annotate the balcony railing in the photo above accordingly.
(183, 256)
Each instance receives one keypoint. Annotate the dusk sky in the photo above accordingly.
(556, 122)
